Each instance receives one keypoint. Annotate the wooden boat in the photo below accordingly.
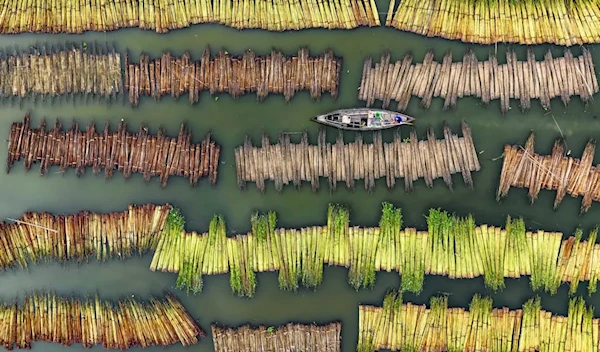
(364, 119)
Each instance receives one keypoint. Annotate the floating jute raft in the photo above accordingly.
(408, 327)
(68, 17)
(40, 237)
(523, 168)
(287, 162)
(50, 72)
(236, 75)
(288, 338)
(451, 246)
(523, 80)
(125, 324)
(522, 22)
(151, 155)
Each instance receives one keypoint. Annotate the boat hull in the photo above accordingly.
(359, 129)
(363, 119)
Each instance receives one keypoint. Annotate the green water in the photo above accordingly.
(230, 121)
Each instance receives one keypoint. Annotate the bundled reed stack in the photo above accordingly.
(409, 327)
(520, 22)
(524, 80)
(152, 155)
(452, 246)
(288, 162)
(68, 17)
(125, 324)
(191, 254)
(42, 236)
(236, 75)
(51, 72)
(523, 168)
(288, 338)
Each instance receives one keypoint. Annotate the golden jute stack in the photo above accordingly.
(40, 237)
(408, 327)
(488, 22)
(68, 16)
(125, 324)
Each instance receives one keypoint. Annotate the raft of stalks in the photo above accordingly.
(523, 80)
(523, 168)
(370, 247)
(120, 325)
(523, 22)
(64, 16)
(49, 72)
(409, 327)
(452, 246)
(287, 162)
(287, 338)
(192, 254)
(151, 155)
(42, 237)
(237, 75)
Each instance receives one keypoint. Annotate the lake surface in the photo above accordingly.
(230, 120)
